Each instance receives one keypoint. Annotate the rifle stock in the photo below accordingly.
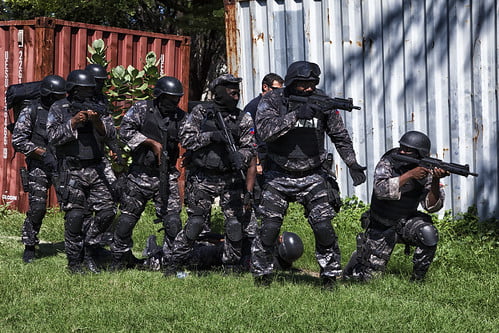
(430, 163)
(230, 140)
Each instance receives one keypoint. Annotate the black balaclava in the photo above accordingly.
(223, 99)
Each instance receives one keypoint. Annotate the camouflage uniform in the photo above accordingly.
(376, 244)
(205, 183)
(143, 182)
(291, 175)
(28, 135)
(83, 185)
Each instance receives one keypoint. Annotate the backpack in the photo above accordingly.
(18, 96)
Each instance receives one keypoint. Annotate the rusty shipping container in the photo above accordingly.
(32, 49)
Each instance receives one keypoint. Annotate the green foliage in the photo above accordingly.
(125, 86)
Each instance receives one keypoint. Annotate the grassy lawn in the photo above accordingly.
(460, 294)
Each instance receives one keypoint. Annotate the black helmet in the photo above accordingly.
(418, 141)
(291, 247)
(168, 85)
(303, 71)
(80, 78)
(224, 80)
(98, 71)
(53, 84)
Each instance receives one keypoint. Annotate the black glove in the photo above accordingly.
(248, 199)
(236, 158)
(218, 136)
(357, 173)
(307, 111)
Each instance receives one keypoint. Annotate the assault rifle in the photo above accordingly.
(430, 163)
(326, 103)
(231, 146)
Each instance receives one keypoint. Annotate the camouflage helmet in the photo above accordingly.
(98, 71)
(53, 84)
(302, 71)
(168, 85)
(291, 247)
(80, 78)
(418, 141)
(224, 80)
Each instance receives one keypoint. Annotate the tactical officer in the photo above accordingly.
(215, 168)
(208, 251)
(294, 135)
(77, 136)
(100, 76)
(393, 217)
(30, 138)
(151, 130)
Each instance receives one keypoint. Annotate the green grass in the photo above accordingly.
(460, 294)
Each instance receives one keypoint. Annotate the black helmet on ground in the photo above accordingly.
(53, 84)
(291, 247)
(302, 71)
(418, 141)
(98, 71)
(80, 78)
(168, 85)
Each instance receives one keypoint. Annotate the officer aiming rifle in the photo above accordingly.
(431, 163)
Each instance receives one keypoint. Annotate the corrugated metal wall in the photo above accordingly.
(32, 49)
(429, 65)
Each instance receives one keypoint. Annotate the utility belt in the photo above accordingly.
(72, 163)
(272, 166)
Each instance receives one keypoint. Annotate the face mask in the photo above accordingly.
(227, 97)
(165, 105)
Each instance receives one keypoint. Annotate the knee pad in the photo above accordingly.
(428, 235)
(74, 220)
(105, 217)
(125, 226)
(233, 229)
(193, 227)
(421, 231)
(324, 233)
(37, 212)
(172, 225)
(270, 231)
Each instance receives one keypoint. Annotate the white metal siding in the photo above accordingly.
(412, 65)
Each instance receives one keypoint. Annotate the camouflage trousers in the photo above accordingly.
(39, 184)
(201, 191)
(376, 244)
(140, 188)
(312, 192)
(85, 196)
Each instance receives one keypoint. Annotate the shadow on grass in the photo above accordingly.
(49, 249)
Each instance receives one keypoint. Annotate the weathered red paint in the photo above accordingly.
(32, 49)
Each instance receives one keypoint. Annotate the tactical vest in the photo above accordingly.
(85, 148)
(215, 156)
(39, 116)
(154, 127)
(407, 205)
(304, 142)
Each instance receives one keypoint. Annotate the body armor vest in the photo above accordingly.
(85, 148)
(215, 156)
(39, 116)
(155, 128)
(304, 142)
(407, 205)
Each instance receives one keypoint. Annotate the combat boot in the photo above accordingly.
(89, 261)
(328, 282)
(117, 263)
(29, 254)
(75, 267)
